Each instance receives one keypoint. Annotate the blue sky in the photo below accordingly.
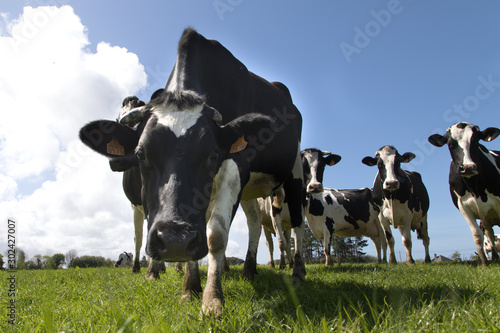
(363, 75)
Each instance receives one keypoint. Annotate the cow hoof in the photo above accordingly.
(212, 309)
(136, 269)
(299, 270)
(248, 274)
(271, 264)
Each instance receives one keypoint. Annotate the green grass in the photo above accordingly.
(445, 297)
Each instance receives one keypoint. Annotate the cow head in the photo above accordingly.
(463, 142)
(389, 162)
(313, 165)
(179, 145)
(129, 103)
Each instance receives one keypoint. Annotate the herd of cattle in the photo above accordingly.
(218, 136)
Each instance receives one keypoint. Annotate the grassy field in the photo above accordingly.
(448, 297)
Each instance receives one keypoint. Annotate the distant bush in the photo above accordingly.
(87, 261)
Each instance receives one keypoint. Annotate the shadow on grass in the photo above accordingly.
(350, 289)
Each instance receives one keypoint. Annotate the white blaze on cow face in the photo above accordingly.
(314, 185)
(178, 121)
(463, 135)
(388, 157)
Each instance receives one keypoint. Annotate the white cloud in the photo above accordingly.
(51, 84)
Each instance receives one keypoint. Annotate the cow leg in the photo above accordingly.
(153, 272)
(382, 243)
(423, 234)
(406, 233)
(178, 267)
(252, 212)
(388, 237)
(326, 247)
(191, 285)
(270, 246)
(289, 256)
(490, 235)
(294, 192)
(138, 214)
(223, 205)
(299, 268)
(276, 208)
(376, 241)
(477, 233)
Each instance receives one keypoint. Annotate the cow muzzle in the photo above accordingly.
(176, 241)
(314, 188)
(468, 170)
(391, 185)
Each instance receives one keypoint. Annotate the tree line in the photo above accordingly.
(59, 260)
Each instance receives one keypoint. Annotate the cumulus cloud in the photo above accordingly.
(51, 84)
(62, 195)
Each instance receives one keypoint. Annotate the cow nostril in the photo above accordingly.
(315, 188)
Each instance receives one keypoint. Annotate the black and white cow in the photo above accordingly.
(488, 247)
(345, 213)
(474, 179)
(402, 199)
(125, 258)
(274, 209)
(195, 171)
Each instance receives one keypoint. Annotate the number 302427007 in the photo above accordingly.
(11, 244)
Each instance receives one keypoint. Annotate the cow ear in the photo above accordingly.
(109, 138)
(437, 140)
(332, 159)
(370, 161)
(490, 133)
(235, 132)
(407, 157)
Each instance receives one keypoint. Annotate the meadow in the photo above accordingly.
(438, 297)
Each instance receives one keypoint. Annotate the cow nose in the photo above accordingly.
(176, 241)
(468, 170)
(391, 185)
(314, 187)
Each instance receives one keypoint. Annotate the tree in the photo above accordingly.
(456, 256)
(70, 255)
(1, 261)
(57, 260)
(21, 259)
(88, 261)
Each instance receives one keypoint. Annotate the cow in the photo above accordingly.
(274, 211)
(125, 258)
(216, 136)
(278, 224)
(345, 213)
(474, 179)
(402, 200)
(488, 246)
